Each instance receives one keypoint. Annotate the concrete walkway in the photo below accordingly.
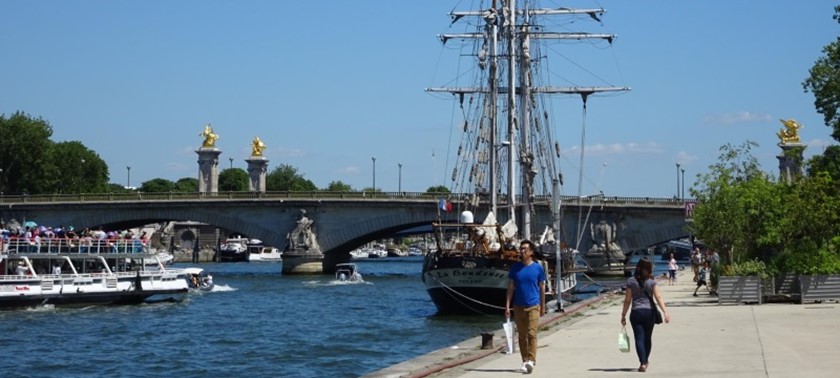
(702, 340)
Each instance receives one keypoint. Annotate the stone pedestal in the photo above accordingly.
(302, 262)
(208, 169)
(257, 168)
(790, 161)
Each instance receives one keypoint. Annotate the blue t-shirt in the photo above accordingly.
(527, 281)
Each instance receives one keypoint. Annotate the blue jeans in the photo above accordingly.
(641, 319)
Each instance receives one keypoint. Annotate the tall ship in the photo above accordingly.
(507, 161)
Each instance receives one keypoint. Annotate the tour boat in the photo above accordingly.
(63, 272)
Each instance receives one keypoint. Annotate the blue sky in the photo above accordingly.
(329, 84)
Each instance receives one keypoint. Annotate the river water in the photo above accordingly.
(256, 322)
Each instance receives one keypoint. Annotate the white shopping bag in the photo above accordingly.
(508, 327)
(623, 341)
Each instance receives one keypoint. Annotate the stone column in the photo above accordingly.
(208, 169)
(257, 168)
(790, 161)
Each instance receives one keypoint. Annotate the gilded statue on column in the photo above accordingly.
(209, 137)
(790, 134)
(257, 147)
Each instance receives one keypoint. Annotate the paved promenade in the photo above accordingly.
(702, 340)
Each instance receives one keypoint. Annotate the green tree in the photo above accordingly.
(824, 83)
(338, 186)
(25, 144)
(739, 207)
(286, 178)
(187, 185)
(117, 188)
(437, 189)
(828, 162)
(158, 185)
(76, 169)
(233, 180)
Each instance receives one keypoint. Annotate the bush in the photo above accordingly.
(821, 261)
(747, 268)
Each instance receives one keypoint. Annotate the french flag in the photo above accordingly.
(444, 205)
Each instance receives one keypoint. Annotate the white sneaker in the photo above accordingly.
(524, 368)
(529, 366)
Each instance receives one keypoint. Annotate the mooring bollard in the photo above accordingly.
(487, 340)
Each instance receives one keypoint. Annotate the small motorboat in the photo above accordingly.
(198, 280)
(346, 272)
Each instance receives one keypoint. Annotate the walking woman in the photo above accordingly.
(640, 288)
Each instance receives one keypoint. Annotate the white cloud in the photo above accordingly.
(737, 117)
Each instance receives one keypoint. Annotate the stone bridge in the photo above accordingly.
(342, 221)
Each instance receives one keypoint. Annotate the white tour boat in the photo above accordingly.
(67, 272)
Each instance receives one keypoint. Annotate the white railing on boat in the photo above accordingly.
(75, 245)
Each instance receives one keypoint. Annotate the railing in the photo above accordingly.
(72, 245)
(325, 195)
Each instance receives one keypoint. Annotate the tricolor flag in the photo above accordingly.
(444, 205)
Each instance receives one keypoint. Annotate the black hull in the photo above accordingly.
(467, 285)
(87, 299)
(451, 303)
(230, 256)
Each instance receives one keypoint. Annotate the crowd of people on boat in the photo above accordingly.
(35, 239)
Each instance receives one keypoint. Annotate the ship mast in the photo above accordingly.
(510, 25)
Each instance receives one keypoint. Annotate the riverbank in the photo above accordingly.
(703, 339)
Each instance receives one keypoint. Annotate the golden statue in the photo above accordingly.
(257, 147)
(790, 134)
(209, 137)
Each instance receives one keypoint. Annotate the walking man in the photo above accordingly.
(526, 291)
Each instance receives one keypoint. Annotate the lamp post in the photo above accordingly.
(678, 180)
(399, 178)
(231, 163)
(81, 174)
(128, 176)
(373, 158)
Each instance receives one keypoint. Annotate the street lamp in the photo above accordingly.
(678, 180)
(128, 176)
(81, 174)
(231, 163)
(683, 183)
(399, 182)
(373, 158)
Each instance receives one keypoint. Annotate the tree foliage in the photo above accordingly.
(76, 169)
(748, 216)
(233, 180)
(158, 185)
(828, 162)
(25, 143)
(187, 185)
(437, 189)
(338, 186)
(286, 178)
(824, 83)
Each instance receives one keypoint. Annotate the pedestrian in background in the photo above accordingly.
(672, 270)
(526, 291)
(641, 288)
(696, 262)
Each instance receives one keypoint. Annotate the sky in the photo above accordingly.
(328, 85)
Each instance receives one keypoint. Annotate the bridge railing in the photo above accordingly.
(326, 195)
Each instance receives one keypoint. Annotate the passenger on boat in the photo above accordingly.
(57, 269)
(22, 270)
